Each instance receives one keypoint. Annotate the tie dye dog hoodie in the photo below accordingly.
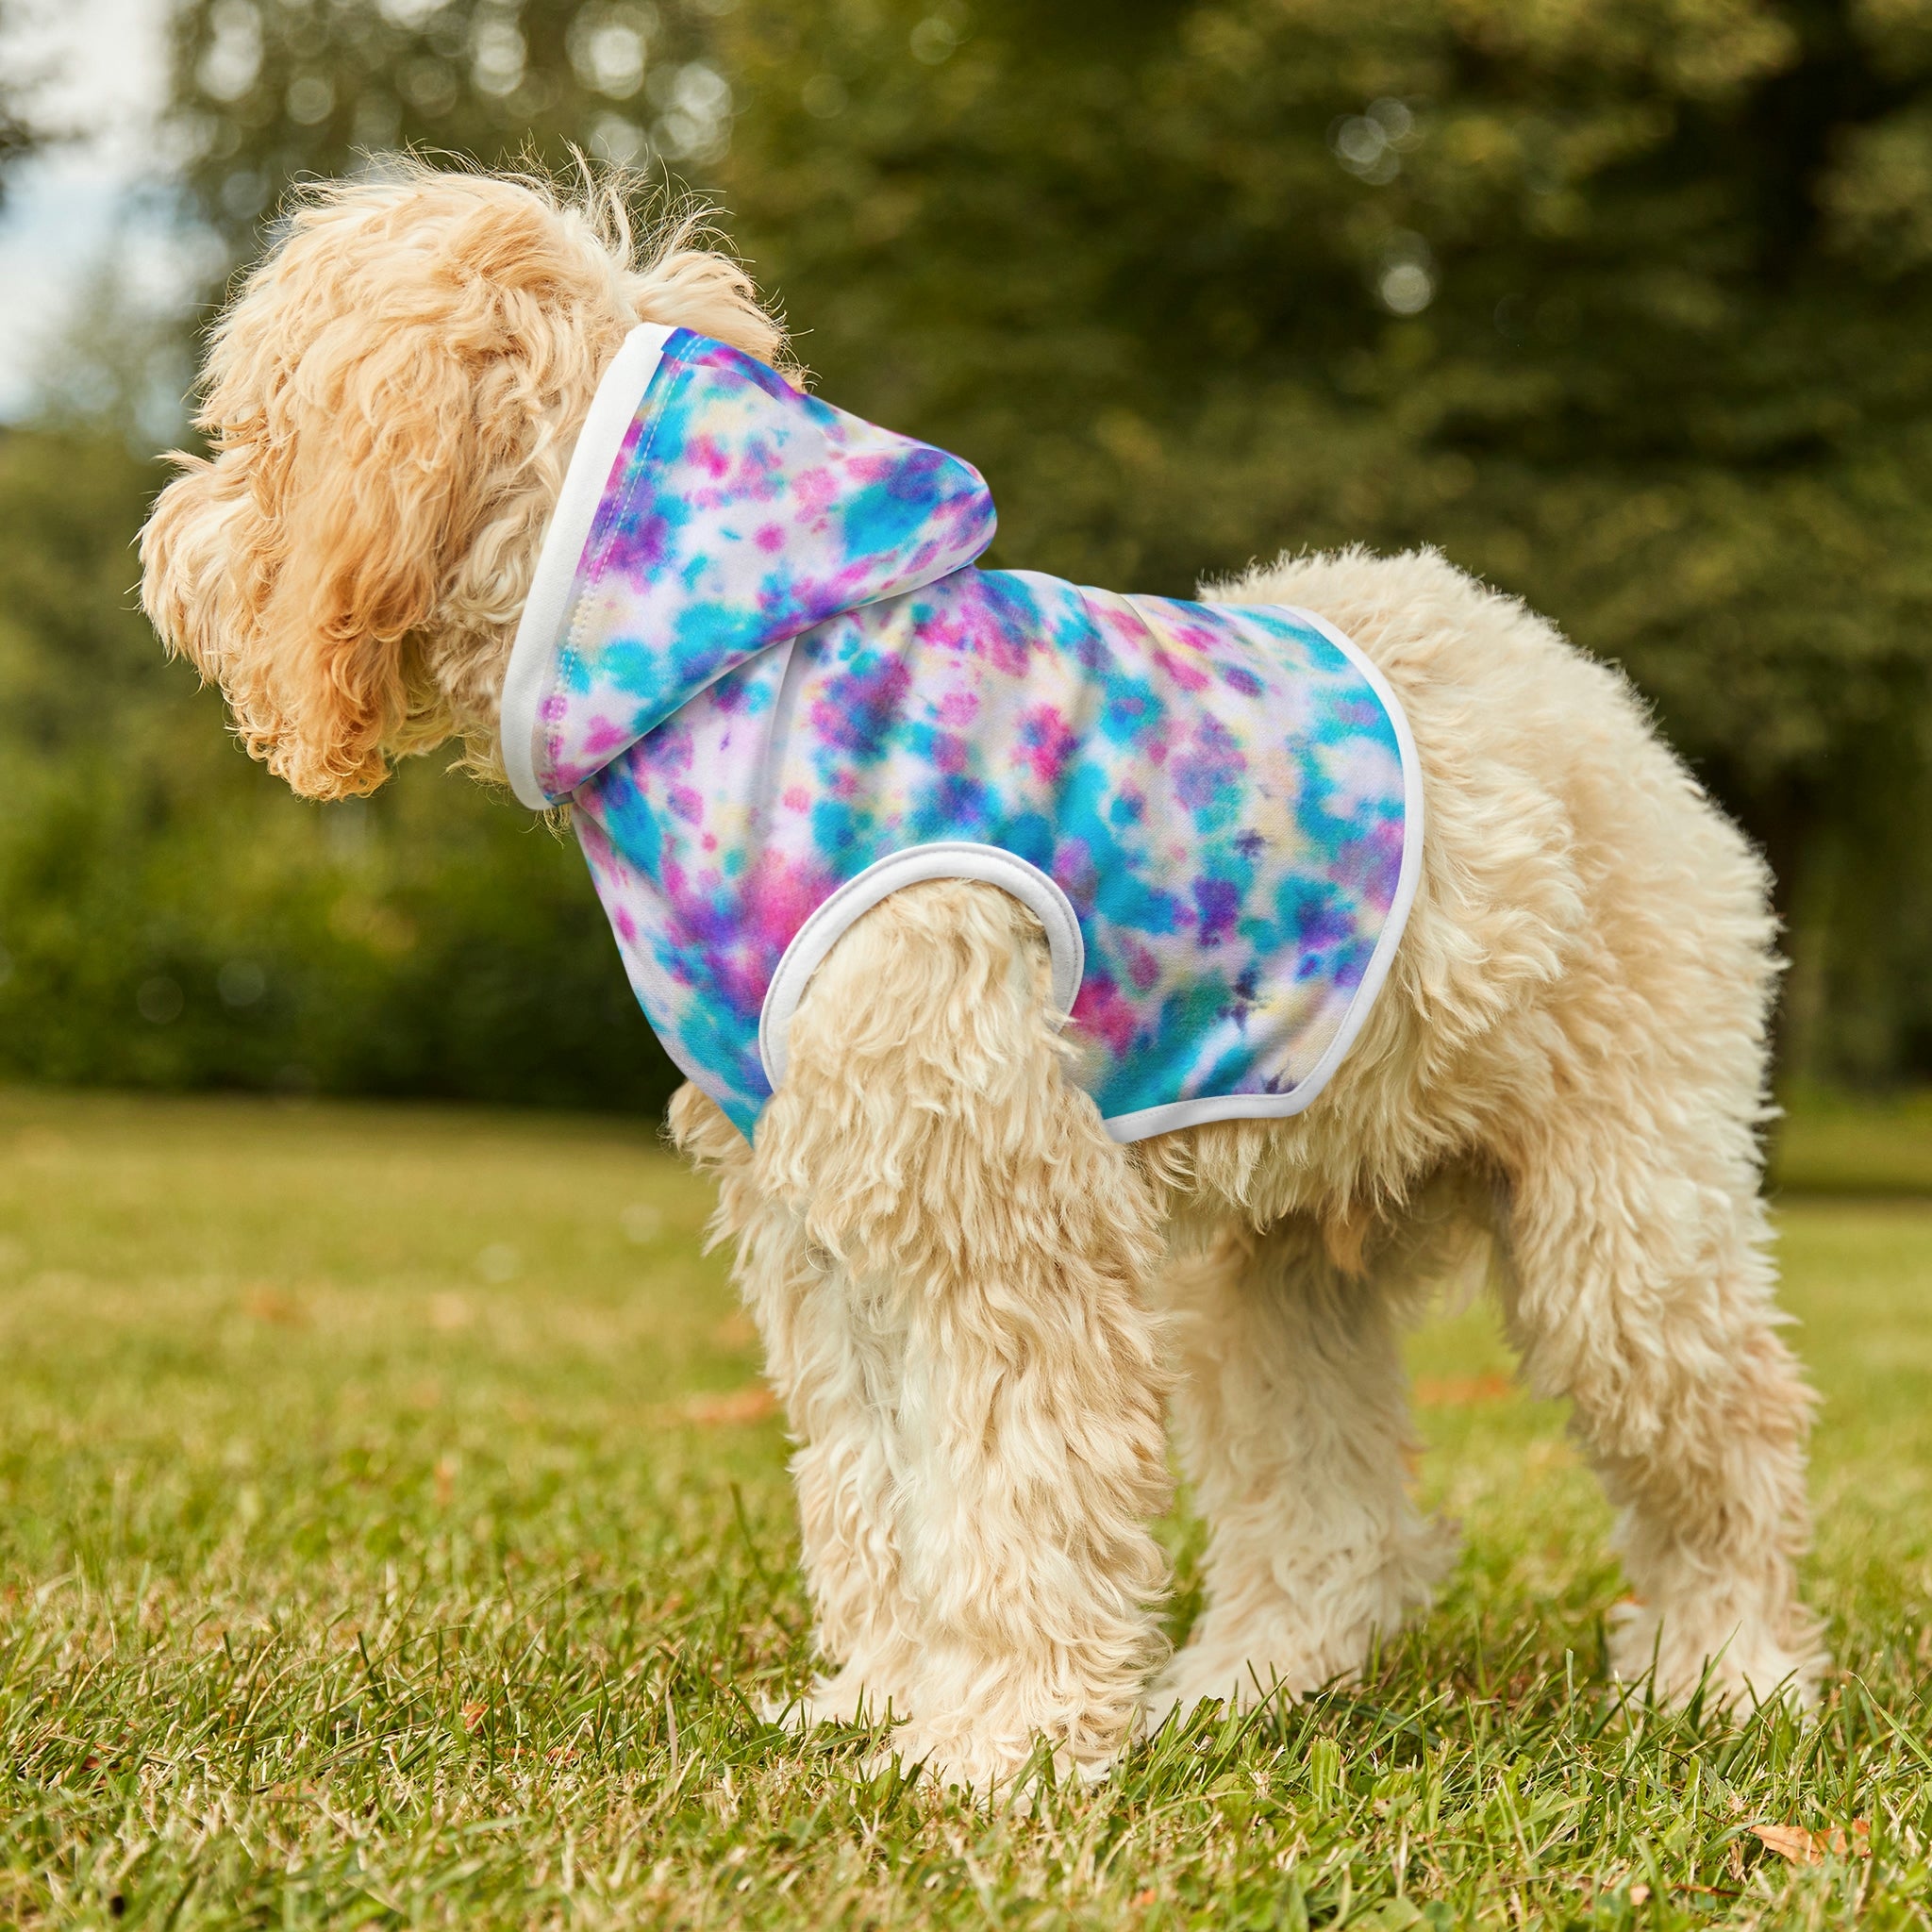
(760, 662)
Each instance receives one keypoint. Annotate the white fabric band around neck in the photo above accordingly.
(540, 630)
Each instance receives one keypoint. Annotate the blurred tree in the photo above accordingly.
(169, 916)
(16, 140)
(1627, 307)
(19, 134)
(268, 89)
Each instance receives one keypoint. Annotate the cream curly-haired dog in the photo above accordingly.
(977, 1301)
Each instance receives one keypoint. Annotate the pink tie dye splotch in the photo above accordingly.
(779, 669)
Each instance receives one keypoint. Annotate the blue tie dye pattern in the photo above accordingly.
(779, 667)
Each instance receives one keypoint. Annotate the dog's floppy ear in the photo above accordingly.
(297, 565)
(374, 447)
(196, 550)
(390, 401)
(359, 409)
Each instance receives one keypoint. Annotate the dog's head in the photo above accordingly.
(390, 403)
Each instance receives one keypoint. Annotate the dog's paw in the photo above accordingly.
(1275, 1664)
(1199, 1677)
(1291, 1640)
(848, 1698)
(990, 1770)
(1737, 1664)
(1164, 1703)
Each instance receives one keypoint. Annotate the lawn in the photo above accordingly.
(392, 1530)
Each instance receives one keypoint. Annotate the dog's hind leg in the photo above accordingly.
(1292, 1415)
(988, 1249)
(1642, 1291)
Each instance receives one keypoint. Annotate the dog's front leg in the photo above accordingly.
(835, 1368)
(986, 1247)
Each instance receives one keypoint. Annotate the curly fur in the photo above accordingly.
(975, 1306)
(391, 403)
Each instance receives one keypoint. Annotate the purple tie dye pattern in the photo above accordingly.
(782, 511)
(777, 672)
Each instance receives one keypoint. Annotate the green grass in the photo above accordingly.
(1836, 1143)
(374, 1548)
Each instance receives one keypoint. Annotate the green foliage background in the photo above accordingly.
(1627, 306)
(171, 917)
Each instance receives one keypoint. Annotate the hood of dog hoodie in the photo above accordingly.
(759, 661)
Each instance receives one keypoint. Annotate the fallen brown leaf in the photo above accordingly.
(264, 1304)
(749, 1404)
(474, 1715)
(1802, 1847)
(448, 1313)
(1463, 1391)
